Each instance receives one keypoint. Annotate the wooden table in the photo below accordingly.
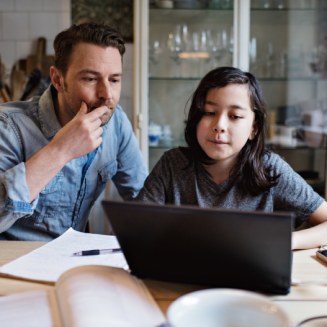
(302, 302)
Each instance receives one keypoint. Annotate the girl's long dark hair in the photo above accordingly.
(248, 169)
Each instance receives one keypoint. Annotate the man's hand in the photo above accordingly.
(81, 135)
(77, 138)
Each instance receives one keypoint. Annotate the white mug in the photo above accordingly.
(286, 135)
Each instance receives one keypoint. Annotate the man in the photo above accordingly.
(58, 151)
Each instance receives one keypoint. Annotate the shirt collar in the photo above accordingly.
(48, 119)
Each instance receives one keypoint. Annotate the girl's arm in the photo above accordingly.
(315, 236)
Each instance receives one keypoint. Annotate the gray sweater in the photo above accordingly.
(169, 183)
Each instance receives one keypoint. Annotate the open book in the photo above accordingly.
(85, 296)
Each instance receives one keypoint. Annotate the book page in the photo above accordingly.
(105, 296)
(30, 309)
(48, 262)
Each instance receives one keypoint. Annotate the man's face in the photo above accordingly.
(93, 76)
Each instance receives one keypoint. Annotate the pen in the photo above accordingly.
(96, 252)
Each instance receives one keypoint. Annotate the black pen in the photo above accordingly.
(95, 252)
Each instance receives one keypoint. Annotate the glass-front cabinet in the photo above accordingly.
(282, 42)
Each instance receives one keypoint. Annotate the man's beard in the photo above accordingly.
(105, 118)
(72, 108)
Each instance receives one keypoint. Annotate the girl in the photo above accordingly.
(226, 163)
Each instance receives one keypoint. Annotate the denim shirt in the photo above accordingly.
(25, 128)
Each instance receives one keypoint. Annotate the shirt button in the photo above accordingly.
(109, 176)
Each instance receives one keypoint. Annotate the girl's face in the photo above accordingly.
(227, 123)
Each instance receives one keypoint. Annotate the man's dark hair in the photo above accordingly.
(249, 169)
(98, 34)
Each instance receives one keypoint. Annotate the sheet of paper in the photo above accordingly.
(105, 296)
(29, 309)
(48, 262)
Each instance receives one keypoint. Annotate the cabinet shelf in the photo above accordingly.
(287, 9)
(292, 79)
(295, 79)
(172, 145)
(161, 10)
(155, 9)
(271, 146)
(283, 17)
(174, 78)
(276, 147)
(190, 16)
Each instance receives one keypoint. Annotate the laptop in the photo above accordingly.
(205, 246)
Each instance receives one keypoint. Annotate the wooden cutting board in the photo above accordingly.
(40, 61)
(18, 81)
(3, 93)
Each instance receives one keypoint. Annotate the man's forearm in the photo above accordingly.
(310, 238)
(42, 168)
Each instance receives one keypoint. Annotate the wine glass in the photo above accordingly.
(175, 48)
(269, 61)
(253, 55)
(217, 47)
(220, 46)
(155, 51)
(185, 37)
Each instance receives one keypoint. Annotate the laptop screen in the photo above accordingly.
(210, 247)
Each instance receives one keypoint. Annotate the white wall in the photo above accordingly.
(23, 21)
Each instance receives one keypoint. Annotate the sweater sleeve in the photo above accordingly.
(294, 194)
(131, 170)
(156, 185)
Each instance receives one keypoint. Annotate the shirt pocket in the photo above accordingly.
(51, 193)
(105, 174)
(49, 199)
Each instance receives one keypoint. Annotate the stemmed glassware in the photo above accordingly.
(155, 52)
(196, 48)
(217, 48)
(253, 56)
(231, 41)
(222, 46)
(199, 52)
(175, 48)
(268, 61)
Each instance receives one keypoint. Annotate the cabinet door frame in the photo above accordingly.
(141, 86)
(241, 34)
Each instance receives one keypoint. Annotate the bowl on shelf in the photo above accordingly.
(314, 136)
(166, 4)
(188, 4)
(154, 134)
(224, 308)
